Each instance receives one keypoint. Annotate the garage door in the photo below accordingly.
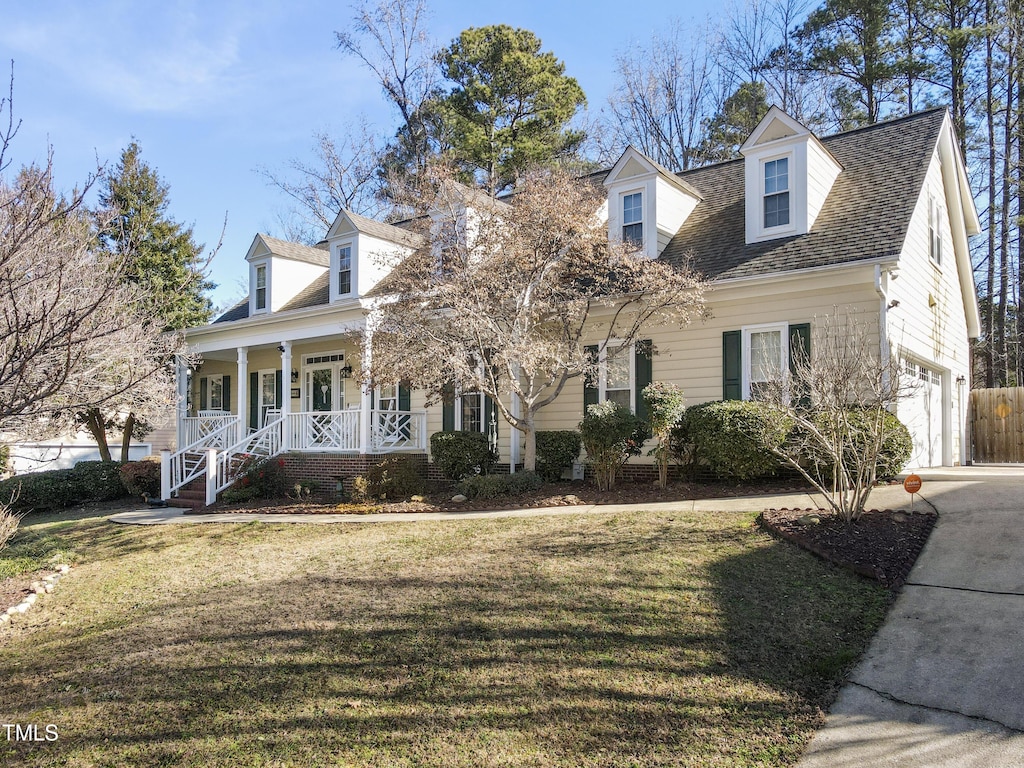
(921, 411)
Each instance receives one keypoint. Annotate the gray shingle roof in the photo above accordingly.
(238, 312)
(865, 216)
(297, 251)
(389, 232)
(313, 295)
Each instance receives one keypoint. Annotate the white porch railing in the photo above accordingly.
(209, 431)
(220, 453)
(340, 430)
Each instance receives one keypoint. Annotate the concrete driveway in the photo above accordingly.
(942, 683)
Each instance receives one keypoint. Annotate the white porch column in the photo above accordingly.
(514, 434)
(286, 394)
(181, 409)
(242, 389)
(366, 389)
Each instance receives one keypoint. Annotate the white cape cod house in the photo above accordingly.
(874, 221)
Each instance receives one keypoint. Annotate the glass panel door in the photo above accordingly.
(267, 393)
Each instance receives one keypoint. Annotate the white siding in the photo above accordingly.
(286, 278)
(821, 174)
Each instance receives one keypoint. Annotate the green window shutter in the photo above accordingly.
(732, 365)
(644, 368)
(204, 393)
(404, 405)
(591, 393)
(278, 389)
(800, 349)
(254, 401)
(448, 409)
(799, 344)
(226, 393)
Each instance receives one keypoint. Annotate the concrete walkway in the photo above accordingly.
(942, 683)
(171, 515)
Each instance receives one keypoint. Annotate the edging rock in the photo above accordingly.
(45, 585)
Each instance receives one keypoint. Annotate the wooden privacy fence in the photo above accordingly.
(997, 425)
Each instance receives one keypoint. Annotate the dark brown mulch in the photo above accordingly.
(881, 545)
(549, 495)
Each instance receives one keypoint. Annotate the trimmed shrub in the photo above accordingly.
(611, 434)
(731, 437)
(493, 486)
(396, 477)
(556, 450)
(461, 454)
(665, 405)
(139, 477)
(259, 478)
(897, 444)
(97, 481)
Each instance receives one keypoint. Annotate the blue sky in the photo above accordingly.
(214, 89)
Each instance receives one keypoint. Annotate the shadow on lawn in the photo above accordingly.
(592, 648)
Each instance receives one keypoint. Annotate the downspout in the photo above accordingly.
(882, 288)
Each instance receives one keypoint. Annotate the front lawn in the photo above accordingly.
(603, 640)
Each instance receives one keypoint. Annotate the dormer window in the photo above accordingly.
(776, 193)
(633, 219)
(345, 270)
(261, 287)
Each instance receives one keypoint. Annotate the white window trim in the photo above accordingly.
(337, 383)
(935, 249)
(642, 191)
(602, 379)
(336, 270)
(791, 167)
(256, 266)
(747, 359)
(206, 406)
(258, 394)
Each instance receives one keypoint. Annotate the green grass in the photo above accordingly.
(639, 639)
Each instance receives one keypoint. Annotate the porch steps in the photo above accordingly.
(192, 496)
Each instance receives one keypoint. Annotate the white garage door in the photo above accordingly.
(921, 411)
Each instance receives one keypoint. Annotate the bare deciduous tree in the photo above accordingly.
(664, 93)
(839, 400)
(508, 294)
(71, 336)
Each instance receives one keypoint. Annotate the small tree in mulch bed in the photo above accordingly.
(665, 404)
(839, 395)
(611, 434)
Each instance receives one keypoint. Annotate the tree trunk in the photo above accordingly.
(530, 439)
(126, 438)
(990, 281)
(94, 422)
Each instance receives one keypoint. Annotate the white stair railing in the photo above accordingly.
(223, 466)
(182, 467)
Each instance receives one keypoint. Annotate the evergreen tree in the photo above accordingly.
(156, 255)
(725, 133)
(510, 104)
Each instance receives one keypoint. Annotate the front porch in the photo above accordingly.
(263, 399)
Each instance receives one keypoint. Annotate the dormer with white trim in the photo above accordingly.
(788, 173)
(279, 270)
(362, 251)
(647, 203)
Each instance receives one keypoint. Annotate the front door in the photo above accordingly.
(267, 394)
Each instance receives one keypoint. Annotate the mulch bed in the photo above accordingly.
(881, 545)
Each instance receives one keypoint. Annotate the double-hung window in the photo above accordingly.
(261, 287)
(345, 270)
(617, 380)
(633, 219)
(934, 231)
(776, 193)
(767, 356)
